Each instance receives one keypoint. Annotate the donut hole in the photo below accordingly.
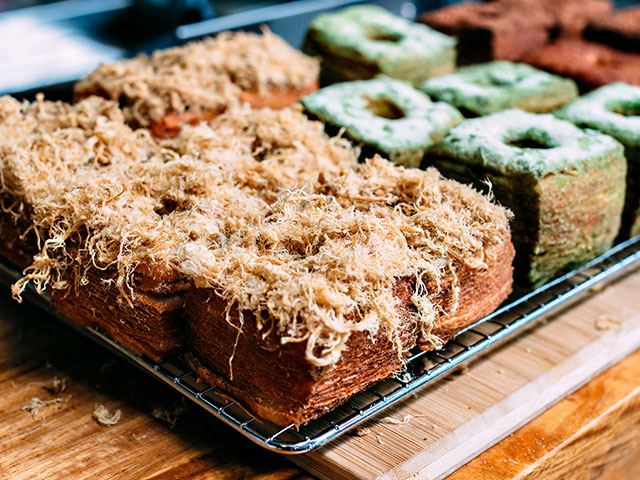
(497, 80)
(627, 109)
(383, 107)
(381, 36)
(529, 142)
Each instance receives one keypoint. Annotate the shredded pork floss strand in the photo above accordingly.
(261, 206)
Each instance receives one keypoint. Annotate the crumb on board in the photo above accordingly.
(35, 404)
(167, 416)
(396, 421)
(104, 418)
(598, 287)
(460, 369)
(362, 431)
(138, 437)
(379, 439)
(606, 322)
(56, 386)
(501, 371)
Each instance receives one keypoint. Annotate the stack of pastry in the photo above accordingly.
(292, 274)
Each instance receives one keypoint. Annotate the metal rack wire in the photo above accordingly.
(422, 367)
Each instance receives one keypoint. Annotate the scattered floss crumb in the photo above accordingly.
(57, 385)
(606, 322)
(104, 418)
(35, 404)
(362, 431)
(461, 369)
(396, 421)
(597, 288)
(170, 417)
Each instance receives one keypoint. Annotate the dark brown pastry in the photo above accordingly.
(278, 358)
(590, 64)
(150, 322)
(620, 29)
(492, 31)
(570, 17)
(45, 145)
(18, 244)
(196, 82)
(278, 384)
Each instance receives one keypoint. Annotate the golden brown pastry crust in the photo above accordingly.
(276, 382)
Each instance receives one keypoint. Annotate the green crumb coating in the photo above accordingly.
(491, 142)
(565, 186)
(363, 41)
(615, 110)
(385, 116)
(500, 85)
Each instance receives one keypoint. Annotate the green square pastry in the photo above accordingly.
(384, 116)
(361, 42)
(565, 186)
(615, 110)
(500, 85)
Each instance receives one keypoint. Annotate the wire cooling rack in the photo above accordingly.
(422, 368)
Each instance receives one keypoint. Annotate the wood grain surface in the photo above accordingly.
(454, 421)
(63, 441)
(593, 433)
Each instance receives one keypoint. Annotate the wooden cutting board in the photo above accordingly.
(160, 437)
(445, 426)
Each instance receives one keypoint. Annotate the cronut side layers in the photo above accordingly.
(370, 314)
(198, 81)
(278, 384)
(311, 250)
(150, 323)
(87, 213)
(17, 243)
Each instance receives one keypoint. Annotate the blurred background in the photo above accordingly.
(48, 43)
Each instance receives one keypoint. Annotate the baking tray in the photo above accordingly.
(422, 368)
(520, 311)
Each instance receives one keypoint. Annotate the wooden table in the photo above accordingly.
(593, 433)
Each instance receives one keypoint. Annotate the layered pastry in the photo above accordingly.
(198, 81)
(619, 29)
(488, 88)
(565, 186)
(360, 42)
(31, 139)
(590, 64)
(570, 17)
(384, 116)
(107, 204)
(615, 110)
(309, 277)
(243, 159)
(328, 291)
(49, 149)
(492, 31)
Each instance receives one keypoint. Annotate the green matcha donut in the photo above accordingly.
(491, 87)
(363, 41)
(615, 110)
(384, 116)
(565, 186)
